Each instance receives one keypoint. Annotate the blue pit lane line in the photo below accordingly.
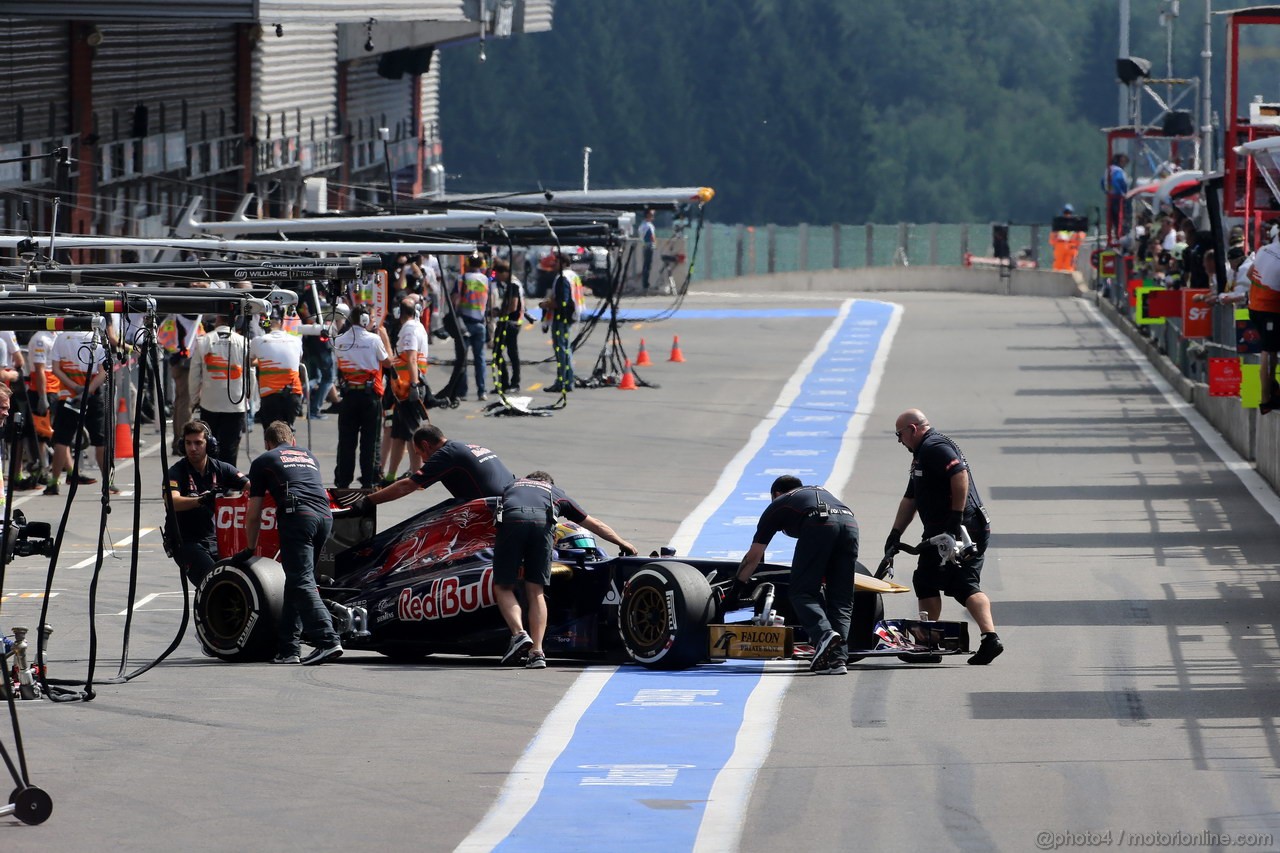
(634, 759)
(722, 313)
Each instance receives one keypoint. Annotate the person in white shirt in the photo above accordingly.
(409, 386)
(221, 386)
(277, 356)
(361, 356)
(77, 361)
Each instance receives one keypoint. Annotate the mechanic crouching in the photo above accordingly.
(826, 535)
(195, 481)
(525, 522)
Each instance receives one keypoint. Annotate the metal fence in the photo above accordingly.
(729, 251)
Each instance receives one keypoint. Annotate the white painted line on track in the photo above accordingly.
(137, 608)
(1249, 477)
(842, 470)
(524, 784)
(120, 465)
(143, 531)
(687, 533)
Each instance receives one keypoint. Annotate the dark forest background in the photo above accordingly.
(812, 110)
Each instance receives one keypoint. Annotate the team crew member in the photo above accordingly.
(195, 481)
(1264, 313)
(291, 475)
(506, 340)
(826, 535)
(42, 391)
(472, 303)
(77, 362)
(278, 355)
(564, 305)
(468, 471)
(220, 386)
(525, 524)
(410, 386)
(942, 491)
(361, 357)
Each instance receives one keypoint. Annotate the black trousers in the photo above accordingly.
(227, 428)
(359, 424)
(506, 356)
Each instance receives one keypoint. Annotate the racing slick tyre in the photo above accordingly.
(237, 608)
(664, 614)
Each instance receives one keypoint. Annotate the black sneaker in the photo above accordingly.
(537, 660)
(520, 645)
(81, 479)
(828, 646)
(320, 655)
(51, 489)
(988, 650)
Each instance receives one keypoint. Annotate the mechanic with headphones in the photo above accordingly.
(195, 481)
(361, 356)
(222, 386)
(277, 355)
(409, 387)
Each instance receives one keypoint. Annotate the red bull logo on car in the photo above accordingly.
(446, 597)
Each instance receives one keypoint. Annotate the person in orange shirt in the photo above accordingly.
(1066, 244)
(277, 355)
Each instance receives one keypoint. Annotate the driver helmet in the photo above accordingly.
(570, 535)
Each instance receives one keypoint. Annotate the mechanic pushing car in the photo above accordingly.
(468, 471)
(525, 523)
(826, 535)
(291, 475)
(943, 492)
(195, 481)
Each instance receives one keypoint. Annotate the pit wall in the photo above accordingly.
(1255, 437)
(883, 279)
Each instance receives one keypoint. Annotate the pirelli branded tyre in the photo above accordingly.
(664, 614)
(237, 609)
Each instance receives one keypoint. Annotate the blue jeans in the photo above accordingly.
(302, 537)
(564, 354)
(323, 378)
(476, 333)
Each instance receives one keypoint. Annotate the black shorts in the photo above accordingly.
(524, 538)
(1268, 325)
(932, 578)
(408, 415)
(66, 421)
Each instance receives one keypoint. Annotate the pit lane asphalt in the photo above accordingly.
(1132, 578)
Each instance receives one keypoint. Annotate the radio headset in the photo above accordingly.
(210, 441)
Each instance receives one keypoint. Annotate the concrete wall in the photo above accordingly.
(881, 279)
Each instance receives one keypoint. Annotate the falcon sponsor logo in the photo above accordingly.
(445, 597)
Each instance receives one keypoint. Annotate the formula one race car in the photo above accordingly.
(425, 586)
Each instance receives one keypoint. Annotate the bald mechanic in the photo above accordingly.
(941, 490)
(468, 471)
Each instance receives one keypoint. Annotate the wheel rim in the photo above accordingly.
(226, 612)
(647, 617)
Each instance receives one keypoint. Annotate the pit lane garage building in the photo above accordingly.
(159, 101)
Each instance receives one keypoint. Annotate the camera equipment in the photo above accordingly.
(28, 538)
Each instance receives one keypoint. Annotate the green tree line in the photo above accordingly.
(810, 110)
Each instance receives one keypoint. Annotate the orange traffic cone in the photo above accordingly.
(124, 432)
(676, 355)
(628, 382)
(642, 357)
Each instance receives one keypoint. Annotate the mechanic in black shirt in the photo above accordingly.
(468, 471)
(291, 475)
(525, 523)
(195, 481)
(944, 494)
(826, 535)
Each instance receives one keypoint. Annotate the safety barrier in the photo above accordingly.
(914, 278)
